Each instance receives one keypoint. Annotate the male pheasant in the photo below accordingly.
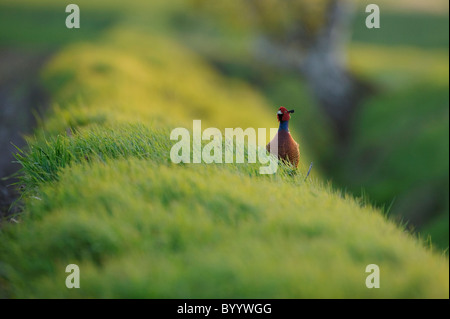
(287, 148)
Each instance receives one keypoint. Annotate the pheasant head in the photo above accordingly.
(283, 114)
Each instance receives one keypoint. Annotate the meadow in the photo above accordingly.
(100, 191)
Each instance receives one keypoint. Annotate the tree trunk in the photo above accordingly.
(320, 57)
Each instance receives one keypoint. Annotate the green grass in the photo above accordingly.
(100, 191)
(398, 153)
(140, 226)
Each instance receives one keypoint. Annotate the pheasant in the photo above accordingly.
(287, 148)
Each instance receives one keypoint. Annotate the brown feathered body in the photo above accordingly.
(288, 149)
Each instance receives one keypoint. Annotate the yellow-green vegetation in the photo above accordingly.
(102, 193)
(398, 153)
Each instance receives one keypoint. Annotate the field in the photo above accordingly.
(99, 189)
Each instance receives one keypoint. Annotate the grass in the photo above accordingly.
(100, 191)
(399, 152)
(182, 236)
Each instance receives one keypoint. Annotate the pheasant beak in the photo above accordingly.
(280, 113)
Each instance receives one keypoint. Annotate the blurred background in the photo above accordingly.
(372, 105)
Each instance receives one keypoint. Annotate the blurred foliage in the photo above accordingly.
(416, 29)
(279, 18)
(274, 17)
(42, 27)
(98, 77)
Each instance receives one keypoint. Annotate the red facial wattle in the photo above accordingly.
(285, 114)
(286, 117)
